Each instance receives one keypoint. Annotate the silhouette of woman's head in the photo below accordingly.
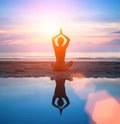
(60, 102)
(60, 41)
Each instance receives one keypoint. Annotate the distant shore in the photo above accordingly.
(43, 69)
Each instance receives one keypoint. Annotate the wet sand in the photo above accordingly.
(44, 69)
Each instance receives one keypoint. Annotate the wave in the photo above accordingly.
(70, 56)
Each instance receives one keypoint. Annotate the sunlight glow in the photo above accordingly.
(50, 27)
(82, 87)
(46, 26)
(103, 108)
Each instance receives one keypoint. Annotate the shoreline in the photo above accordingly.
(79, 69)
(47, 59)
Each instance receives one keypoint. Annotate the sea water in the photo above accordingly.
(49, 56)
(30, 101)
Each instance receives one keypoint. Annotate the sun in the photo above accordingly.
(46, 26)
(49, 25)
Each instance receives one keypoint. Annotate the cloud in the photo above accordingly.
(108, 18)
(11, 42)
(33, 47)
(113, 42)
(18, 38)
(109, 46)
(116, 32)
(7, 23)
(9, 37)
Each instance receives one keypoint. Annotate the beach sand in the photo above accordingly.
(44, 69)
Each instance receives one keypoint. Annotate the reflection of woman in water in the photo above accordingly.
(60, 45)
(60, 99)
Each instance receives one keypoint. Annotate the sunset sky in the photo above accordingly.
(29, 25)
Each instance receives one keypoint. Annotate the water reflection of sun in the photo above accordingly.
(103, 108)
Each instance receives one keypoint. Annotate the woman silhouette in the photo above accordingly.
(60, 99)
(60, 50)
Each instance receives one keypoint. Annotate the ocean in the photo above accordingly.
(30, 101)
(70, 56)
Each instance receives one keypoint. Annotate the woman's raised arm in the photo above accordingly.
(53, 40)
